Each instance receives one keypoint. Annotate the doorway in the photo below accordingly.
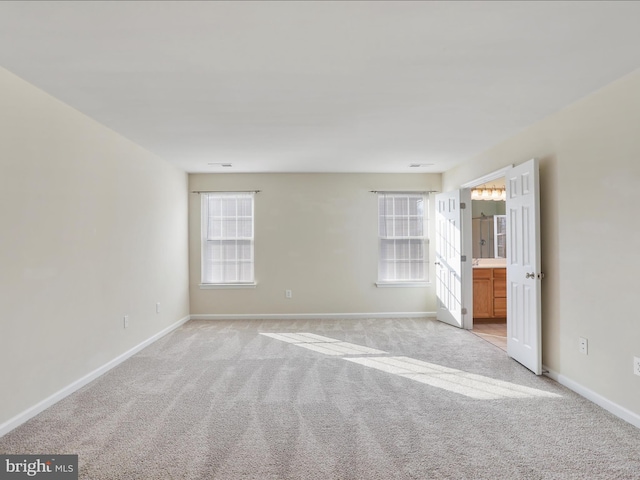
(489, 262)
(522, 277)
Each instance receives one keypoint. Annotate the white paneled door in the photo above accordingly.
(523, 266)
(453, 274)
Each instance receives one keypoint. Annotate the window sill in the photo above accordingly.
(402, 284)
(219, 286)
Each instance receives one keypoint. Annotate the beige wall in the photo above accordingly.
(315, 234)
(590, 192)
(93, 227)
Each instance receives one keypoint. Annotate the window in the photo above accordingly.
(403, 243)
(227, 238)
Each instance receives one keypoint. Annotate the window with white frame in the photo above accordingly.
(403, 241)
(227, 238)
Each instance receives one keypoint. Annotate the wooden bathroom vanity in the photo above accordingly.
(489, 292)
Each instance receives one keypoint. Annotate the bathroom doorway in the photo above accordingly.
(522, 275)
(489, 262)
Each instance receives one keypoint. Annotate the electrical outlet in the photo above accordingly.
(126, 321)
(287, 293)
(158, 307)
(636, 365)
(583, 346)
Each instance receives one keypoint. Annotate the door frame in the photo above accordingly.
(467, 238)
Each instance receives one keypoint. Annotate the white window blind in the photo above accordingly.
(403, 241)
(227, 238)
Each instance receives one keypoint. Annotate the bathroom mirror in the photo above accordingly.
(489, 226)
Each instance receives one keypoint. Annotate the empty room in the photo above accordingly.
(319, 240)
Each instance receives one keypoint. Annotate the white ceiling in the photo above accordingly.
(319, 86)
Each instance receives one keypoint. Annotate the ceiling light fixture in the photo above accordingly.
(220, 164)
(484, 193)
(417, 165)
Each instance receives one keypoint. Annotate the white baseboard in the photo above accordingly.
(617, 410)
(308, 316)
(31, 412)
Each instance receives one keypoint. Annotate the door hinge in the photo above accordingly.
(464, 311)
(463, 258)
(463, 205)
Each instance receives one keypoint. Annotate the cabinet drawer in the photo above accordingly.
(500, 273)
(499, 307)
(500, 288)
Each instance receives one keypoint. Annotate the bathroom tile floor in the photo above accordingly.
(493, 331)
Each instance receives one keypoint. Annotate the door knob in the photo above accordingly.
(531, 275)
(437, 263)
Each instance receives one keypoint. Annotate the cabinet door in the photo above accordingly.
(482, 293)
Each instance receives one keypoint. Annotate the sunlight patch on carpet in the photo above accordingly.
(458, 381)
(300, 337)
(450, 379)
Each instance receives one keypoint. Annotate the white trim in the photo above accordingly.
(401, 284)
(31, 412)
(305, 316)
(488, 177)
(217, 286)
(618, 410)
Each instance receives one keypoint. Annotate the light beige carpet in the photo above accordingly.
(220, 400)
